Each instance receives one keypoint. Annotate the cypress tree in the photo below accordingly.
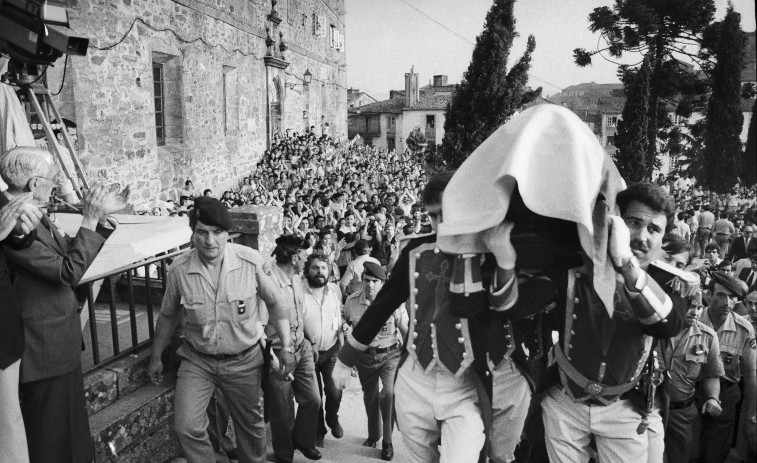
(722, 153)
(631, 138)
(488, 94)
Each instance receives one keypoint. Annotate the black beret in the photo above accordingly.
(211, 211)
(292, 241)
(730, 283)
(374, 270)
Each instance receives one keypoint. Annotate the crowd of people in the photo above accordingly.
(534, 340)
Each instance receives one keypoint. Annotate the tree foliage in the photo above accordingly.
(661, 31)
(722, 152)
(416, 141)
(488, 94)
(631, 137)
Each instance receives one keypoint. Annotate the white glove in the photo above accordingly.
(341, 374)
(619, 245)
(497, 241)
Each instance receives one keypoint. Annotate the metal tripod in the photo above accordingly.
(32, 91)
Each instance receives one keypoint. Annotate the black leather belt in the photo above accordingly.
(223, 356)
(680, 405)
(381, 350)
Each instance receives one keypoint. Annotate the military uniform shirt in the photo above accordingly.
(222, 320)
(736, 340)
(322, 316)
(356, 306)
(693, 355)
(292, 293)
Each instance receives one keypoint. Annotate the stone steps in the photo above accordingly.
(115, 380)
(136, 427)
(130, 418)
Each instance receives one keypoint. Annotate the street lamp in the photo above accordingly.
(306, 79)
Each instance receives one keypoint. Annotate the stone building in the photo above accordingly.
(172, 90)
(388, 123)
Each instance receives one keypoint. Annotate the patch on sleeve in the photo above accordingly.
(753, 344)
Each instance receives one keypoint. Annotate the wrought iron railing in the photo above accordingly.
(125, 276)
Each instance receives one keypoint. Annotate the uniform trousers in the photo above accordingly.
(717, 431)
(569, 425)
(370, 369)
(288, 429)
(333, 395)
(218, 424)
(679, 433)
(438, 405)
(511, 397)
(12, 434)
(238, 378)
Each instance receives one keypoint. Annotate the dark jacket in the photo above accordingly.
(45, 275)
(11, 325)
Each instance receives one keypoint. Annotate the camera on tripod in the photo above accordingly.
(34, 33)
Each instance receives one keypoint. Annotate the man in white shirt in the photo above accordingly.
(322, 312)
(352, 278)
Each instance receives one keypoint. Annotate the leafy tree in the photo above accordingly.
(661, 30)
(416, 141)
(749, 159)
(631, 137)
(722, 153)
(488, 94)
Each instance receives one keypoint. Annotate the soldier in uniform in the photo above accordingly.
(692, 359)
(437, 394)
(379, 361)
(290, 431)
(215, 287)
(737, 349)
(600, 355)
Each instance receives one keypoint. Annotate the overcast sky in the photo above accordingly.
(385, 37)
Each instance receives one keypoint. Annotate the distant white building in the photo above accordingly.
(387, 124)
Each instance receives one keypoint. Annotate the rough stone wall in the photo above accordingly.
(205, 44)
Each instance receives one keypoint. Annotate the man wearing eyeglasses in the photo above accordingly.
(45, 275)
(692, 358)
(743, 246)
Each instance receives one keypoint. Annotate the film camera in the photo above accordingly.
(33, 33)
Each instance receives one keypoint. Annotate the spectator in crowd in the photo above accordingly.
(214, 288)
(18, 219)
(45, 274)
(352, 278)
(706, 221)
(723, 230)
(743, 246)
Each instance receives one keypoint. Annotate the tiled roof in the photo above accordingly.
(391, 106)
(433, 98)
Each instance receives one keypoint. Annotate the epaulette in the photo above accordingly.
(740, 320)
(249, 254)
(706, 329)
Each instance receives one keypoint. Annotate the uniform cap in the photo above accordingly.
(374, 270)
(729, 282)
(211, 211)
(292, 241)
